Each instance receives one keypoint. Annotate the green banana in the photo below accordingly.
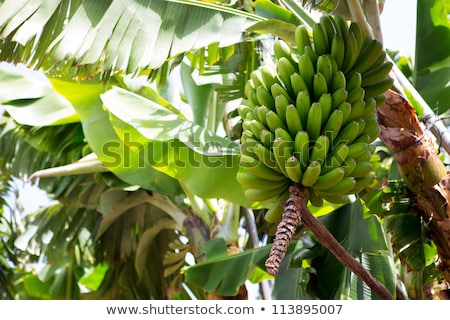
(351, 53)
(259, 169)
(333, 124)
(243, 110)
(328, 25)
(354, 81)
(293, 169)
(262, 195)
(321, 44)
(361, 183)
(320, 149)
(281, 104)
(349, 165)
(368, 56)
(260, 114)
(344, 186)
(319, 85)
(309, 51)
(276, 90)
(274, 121)
(293, 121)
(325, 104)
(311, 174)
(356, 30)
(325, 67)
(363, 138)
(348, 133)
(282, 150)
(336, 158)
(274, 213)
(365, 157)
(266, 137)
(329, 179)
(265, 98)
(374, 75)
(355, 95)
(380, 99)
(339, 81)
(306, 69)
(303, 104)
(255, 128)
(372, 129)
(269, 75)
(358, 109)
(362, 125)
(285, 69)
(339, 96)
(249, 180)
(302, 39)
(298, 83)
(257, 79)
(314, 121)
(282, 49)
(346, 109)
(266, 156)
(370, 109)
(338, 49)
(362, 169)
(315, 199)
(249, 88)
(301, 148)
(379, 88)
(283, 134)
(335, 198)
(357, 149)
(342, 26)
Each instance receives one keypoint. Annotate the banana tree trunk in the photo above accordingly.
(421, 169)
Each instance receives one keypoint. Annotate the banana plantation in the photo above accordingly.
(232, 149)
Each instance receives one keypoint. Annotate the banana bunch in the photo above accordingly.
(310, 118)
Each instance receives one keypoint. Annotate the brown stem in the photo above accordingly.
(329, 242)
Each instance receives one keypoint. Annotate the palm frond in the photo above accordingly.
(103, 36)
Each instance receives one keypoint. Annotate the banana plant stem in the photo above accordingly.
(330, 242)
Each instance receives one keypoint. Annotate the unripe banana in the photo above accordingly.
(283, 50)
(315, 199)
(314, 121)
(361, 183)
(329, 179)
(348, 133)
(274, 121)
(379, 88)
(260, 114)
(306, 69)
(311, 174)
(257, 79)
(301, 148)
(325, 105)
(266, 156)
(265, 98)
(336, 198)
(282, 150)
(281, 104)
(259, 169)
(262, 195)
(283, 134)
(303, 104)
(325, 66)
(338, 49)
(351, 53)
(328, 26)
(293, 169)
(339, 96)
(298, 83)
(371, 106)
(243, 110)
(320, 149)
(302, 39)
(356, 30)
(333, 124)
(248, 88)
(276, 90)
(336, 158)
(363, 138)
(374, 75)
(319, 85)
(266, 137)
(342, 26)
(362, 169)
(273, 214)
(269, 76)
(355, 95)
(321, 44)
(372, 129)
(339, 81)
(293, 121)
(368, 56)
(255, 128)
(344, 186)
(249, 180)
(358, 109)
(357, 149)
(354, 81)
(346, 109)
(285, 69)
(349, 165)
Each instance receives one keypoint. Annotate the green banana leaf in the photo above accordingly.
(206, 163)
(114, 34)
(432, 63)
